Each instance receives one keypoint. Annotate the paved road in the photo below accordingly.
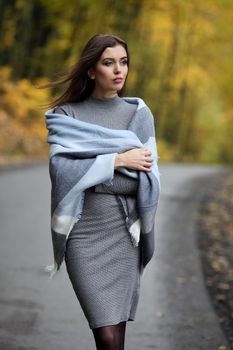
(36, 313)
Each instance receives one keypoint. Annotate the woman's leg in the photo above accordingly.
(121, 327)
(110, 337)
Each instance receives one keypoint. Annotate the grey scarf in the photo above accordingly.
(82, 155)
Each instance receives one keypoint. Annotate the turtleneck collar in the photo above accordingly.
(105, 101)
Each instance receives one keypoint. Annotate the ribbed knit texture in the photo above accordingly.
(101, 261)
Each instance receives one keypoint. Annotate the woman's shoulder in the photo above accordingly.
(61, 109)
(67, 108)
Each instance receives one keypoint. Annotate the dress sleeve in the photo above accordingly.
(121, 184)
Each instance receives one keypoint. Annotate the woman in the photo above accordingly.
(102, 263)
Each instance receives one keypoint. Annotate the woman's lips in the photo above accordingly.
(117, 80)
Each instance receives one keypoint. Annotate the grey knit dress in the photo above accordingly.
(101, 261)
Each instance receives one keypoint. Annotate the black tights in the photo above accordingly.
(110, 337)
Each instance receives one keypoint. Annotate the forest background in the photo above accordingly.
(181, 65)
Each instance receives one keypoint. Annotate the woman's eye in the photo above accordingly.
(107, 63)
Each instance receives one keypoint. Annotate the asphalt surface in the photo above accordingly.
(174, 310)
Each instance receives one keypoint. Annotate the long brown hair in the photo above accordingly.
(80, 85)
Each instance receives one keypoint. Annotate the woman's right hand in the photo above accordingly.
(135, 159)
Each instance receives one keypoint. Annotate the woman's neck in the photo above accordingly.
(104, 95)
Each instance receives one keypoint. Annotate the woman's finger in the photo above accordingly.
(145, 169)
(148, 159)
(148, 152)
(147, 165)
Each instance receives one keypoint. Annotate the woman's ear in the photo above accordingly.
(91, 73)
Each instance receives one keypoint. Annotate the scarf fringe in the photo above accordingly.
(134, 231)
(51, 269)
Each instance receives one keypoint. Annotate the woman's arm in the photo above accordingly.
(120, 184)
(136, 159)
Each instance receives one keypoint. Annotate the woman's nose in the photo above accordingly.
(117, 68)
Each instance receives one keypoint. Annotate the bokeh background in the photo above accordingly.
(181, 65)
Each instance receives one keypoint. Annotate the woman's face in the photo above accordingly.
(110, 71)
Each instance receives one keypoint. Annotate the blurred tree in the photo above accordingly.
(181, 61)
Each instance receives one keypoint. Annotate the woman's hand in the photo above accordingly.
(135, 159)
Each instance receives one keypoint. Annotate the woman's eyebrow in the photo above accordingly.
(111, 58)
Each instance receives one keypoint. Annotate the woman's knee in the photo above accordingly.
(106, 336)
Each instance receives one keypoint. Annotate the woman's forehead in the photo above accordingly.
(117, 51)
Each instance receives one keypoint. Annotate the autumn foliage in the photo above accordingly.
(181, 55)
(22, 128)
